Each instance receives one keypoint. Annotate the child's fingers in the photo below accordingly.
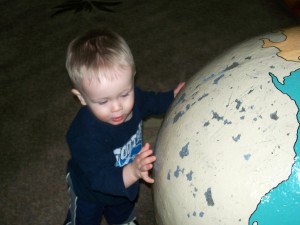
(145, 148)
(147, 164)
(178, 88)
(146, 158)
(148, 179)
(144, 154)
(149, 160)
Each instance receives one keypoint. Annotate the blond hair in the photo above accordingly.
(94, 53)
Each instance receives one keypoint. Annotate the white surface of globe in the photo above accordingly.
(228, 151)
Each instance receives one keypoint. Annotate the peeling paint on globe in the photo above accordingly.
(228, 151)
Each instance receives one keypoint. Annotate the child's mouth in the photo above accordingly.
(117, 119)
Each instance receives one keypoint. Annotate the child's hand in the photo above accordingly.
(143, 162)
(139, 168)
(178, 88)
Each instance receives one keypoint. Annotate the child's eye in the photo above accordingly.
(102, 102)
(125, 95)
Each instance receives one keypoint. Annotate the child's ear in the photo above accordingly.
(79, 96)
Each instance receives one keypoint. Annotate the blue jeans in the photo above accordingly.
(87, 213)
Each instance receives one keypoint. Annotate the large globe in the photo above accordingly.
(228, 152)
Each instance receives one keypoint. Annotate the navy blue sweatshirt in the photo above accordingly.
(99, 150)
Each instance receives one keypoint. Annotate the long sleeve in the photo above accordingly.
(153, 103)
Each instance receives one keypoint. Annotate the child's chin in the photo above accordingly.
(116, 123)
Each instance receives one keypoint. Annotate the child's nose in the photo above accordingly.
(116, 106)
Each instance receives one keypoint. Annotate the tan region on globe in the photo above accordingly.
(290, 47)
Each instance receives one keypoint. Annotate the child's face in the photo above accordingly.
(110, 100)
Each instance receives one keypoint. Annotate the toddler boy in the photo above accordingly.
(105, 138)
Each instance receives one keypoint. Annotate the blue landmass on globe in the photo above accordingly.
(281, 206)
